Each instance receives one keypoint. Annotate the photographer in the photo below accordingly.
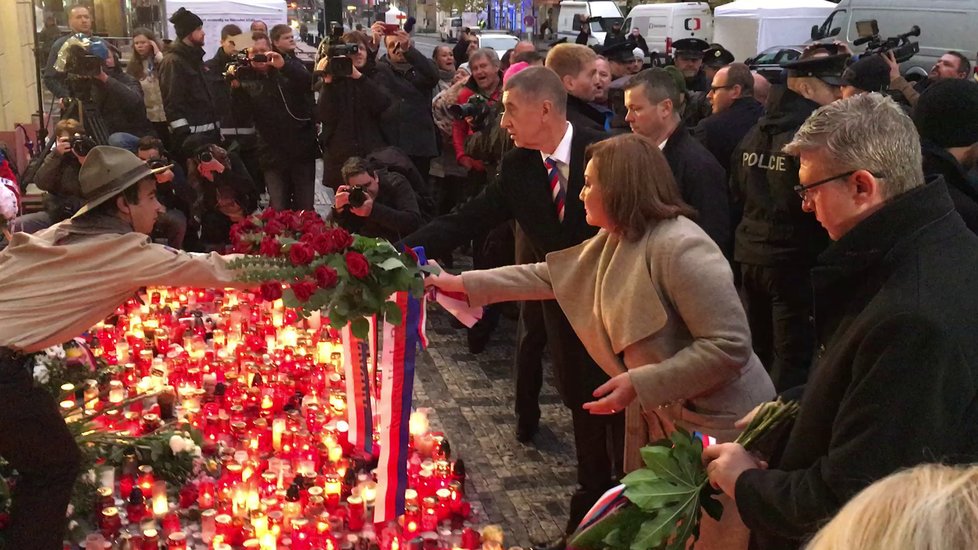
(350, 107)
(467, 43)
(951, 65)
(375, 203)
(172, 190)
(119, 100)
(483, 87)
(279, 96)
(226, 195)
(58, 176)
(408, 77)
(186, 98)
(237, 122)
(80, 23)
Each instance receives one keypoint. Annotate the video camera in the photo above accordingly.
(901, 46)
(240, 65)
(81, 63)
(477, 107)
(340, 65)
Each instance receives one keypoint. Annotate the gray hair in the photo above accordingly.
(488, 53)
(541, 84)
(657, 85)
(865, 132)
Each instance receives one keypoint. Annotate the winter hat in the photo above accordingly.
(185, 22)
(513, 69)
(871, 74)
(947, 113)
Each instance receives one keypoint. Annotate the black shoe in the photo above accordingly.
(525, 432)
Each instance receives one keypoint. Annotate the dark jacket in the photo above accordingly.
(395, 212)
(280, 101)
(231, 110)
(409, 124)
(120, 102)
(703, 185)
(720, 133)
(895, 381)
(232, 184)
(960, 184)
(350, 112)
(521, 192)
(58, 175)
(698, 83)
(186, 97)
(583, 115)
(461, 53)
(773, 230)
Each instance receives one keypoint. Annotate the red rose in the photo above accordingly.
(270, 247)
(304, 290)
(274, 228)
(290, 220)
(268, 214)
(243, 228)
(301, 254)
(322, 243)
(326, 277)
(271, 290)
(357, 265)
(311, 221)
(243, 247)
(339, 238)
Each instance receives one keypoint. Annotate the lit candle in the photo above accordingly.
(207, 525)
(418, 424)
(278, 428)
(122, 352)
(355, 519)
(117, 392)
(333, 487)
(160, 505)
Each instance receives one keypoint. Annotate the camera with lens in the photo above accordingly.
(82, 145)
(901, 46)
(340, 64)
(81, 63)
(357, 196)
(240, 66)
(477, 107)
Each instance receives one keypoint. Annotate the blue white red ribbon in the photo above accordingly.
(359, 410)
(610, 501)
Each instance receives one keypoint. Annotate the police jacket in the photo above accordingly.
(235, 117)
(773, 230)
(186, 98)
(895, 380)
(280, 100)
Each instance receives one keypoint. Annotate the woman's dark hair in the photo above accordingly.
(137, 63)
(635, 183)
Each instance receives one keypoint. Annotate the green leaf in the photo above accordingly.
(594, 536)
(391, 264)
(289, 299)
(652, 496)
(660, 460)
(640, 476)
(360, 327)
(392, 313)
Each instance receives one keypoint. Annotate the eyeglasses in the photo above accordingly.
(725, 86)
(802, 190)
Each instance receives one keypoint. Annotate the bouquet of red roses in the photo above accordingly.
(313, 266)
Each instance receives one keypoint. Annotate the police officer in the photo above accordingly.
(775, 242)
(714, 59)
(186, 98)
(689, 60)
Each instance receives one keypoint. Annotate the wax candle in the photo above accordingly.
(176, 541)
(146, 478)
(355, 518)
(278, 428)
(208, 528)
(110, 522)
(117, 392)
(160, 504)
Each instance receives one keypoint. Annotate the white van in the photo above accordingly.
(570, 14)
(663, 24)
(450, 28)
(944, 25)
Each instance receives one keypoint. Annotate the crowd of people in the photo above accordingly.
(686, 241)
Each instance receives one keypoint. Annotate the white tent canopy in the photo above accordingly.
(394, 16)
(746, 27)
(217, 13)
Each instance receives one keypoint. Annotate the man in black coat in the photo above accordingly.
(534, 116)
(896, 378)
(652, 99)
(735, 112)
(947, 118)
(577, 68)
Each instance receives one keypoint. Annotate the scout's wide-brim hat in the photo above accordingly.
(107, 172)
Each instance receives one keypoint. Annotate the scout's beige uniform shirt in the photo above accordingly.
(58, 283)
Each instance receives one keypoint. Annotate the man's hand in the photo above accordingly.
(275, 59)
(404, 39)
(894, 66)
(444, 280)
(102, 77)
(365, 209)
(377, 34)
(342, 198)
(618, 393)
(62, 146)
(166, 176)
(724, 464)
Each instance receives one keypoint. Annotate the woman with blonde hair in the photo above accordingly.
(929, 507)
(147, 53)
(651, 297)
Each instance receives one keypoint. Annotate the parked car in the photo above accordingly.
(768, 63)
(450, 28)
(498, 41)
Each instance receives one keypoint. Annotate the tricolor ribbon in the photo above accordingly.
(359, 410)
(401, 343)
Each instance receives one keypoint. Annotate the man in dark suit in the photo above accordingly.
(735, 112)
(652, 100)
(577, 68)
(538, 185)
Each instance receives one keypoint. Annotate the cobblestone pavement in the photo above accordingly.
(523, 488)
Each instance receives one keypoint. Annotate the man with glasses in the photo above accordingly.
(735, 112)
(895, 380)
(776, 243)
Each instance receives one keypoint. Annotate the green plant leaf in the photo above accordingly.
(392, 313)
(594, 536)
(360, 327)
(652, 496)
(391, 264)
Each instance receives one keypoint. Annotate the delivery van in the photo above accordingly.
(944, 25)
(603, 14)
(663, 24)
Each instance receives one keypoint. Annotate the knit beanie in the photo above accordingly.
(185, 22)
(947, 113)
(871, 74)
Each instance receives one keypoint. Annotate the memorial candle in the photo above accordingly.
(278, 428)
(355, 519)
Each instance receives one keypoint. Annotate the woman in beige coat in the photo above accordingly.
(652, 298)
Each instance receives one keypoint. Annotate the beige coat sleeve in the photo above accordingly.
(901, 85)
(696, 279)
(153, 264)
(509, 283)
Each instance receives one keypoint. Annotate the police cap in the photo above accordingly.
(623, 52)
(828, 69)
(690, 47)
(717, 56)
(870, 73)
